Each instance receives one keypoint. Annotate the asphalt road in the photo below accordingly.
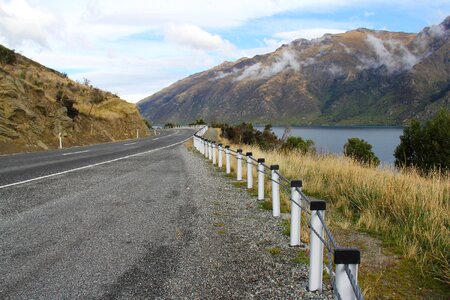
(26, 166)
(87, 233)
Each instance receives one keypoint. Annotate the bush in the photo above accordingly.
(245, 134)
(72, 112)
(7, 56)
(298, 144)
(426, 147)
(148, 124)
(198, 122)
(361, 151)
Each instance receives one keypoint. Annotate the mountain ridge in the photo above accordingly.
(360, 77)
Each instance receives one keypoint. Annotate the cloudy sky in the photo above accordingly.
(137, 47)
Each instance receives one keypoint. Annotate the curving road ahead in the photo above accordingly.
(80, 223)
(29, 166)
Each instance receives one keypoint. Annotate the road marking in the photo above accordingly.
(156, 139)
(78, 152)
(129, 144)
(90, 166)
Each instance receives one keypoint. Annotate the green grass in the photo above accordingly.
(302, 258)
(286, 227)
(267, 205)
(404, 280)
(274, 251)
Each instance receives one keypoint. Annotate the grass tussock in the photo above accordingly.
(409, 211)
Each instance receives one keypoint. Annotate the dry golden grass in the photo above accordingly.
(409, 211)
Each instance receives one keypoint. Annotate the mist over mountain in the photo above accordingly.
(359, 77)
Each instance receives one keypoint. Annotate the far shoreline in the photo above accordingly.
(337, 126)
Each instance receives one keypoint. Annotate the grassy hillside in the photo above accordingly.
(36, 103)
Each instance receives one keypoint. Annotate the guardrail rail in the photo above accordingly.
(344, 275)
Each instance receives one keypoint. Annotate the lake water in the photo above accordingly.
(384, 140)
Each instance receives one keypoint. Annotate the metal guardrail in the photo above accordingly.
(346, 260)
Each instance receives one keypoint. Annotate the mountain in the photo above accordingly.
(37, 102)
(358, 77)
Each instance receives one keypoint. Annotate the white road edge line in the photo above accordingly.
(77, 152)
(129, 144)
(90, 166)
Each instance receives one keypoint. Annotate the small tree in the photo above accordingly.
(96, 98)
(198, 122)
(426, 147)
(299, 144)
(361, 151)
(148, 124)
(7, 56)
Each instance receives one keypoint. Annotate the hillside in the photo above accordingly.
(358, 77)
(37, 102)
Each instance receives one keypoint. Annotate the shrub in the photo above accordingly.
(96, 98)
(72, 112)
(148, 124)
(298, 144)
(198, 122)
(426, 147)
(7, 56)
(361, 151)
(245, 134)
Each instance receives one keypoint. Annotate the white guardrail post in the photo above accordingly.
(352, 258)
(220, 156)
(275, 191)
(214, 152)
(239, 165)
(316, 245)
(249, 170)
(295, 213)
(210, 150)
(227, 159)
(261, 179)
(206, 149)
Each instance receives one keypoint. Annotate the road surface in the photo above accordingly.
(141, 219)
(76, 223)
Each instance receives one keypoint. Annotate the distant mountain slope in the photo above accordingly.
(36, 102)
(358, 77)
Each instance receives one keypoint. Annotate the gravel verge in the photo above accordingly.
(230, 248)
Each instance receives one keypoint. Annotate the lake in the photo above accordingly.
(384, 140)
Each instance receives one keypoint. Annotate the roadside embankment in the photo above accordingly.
(409, 213)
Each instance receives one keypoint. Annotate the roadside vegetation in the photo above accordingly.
(361, 151)
(407, 209)
(426, 146)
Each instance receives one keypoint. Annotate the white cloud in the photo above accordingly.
(390, 53)
(195, 37)
(131, 48)
(310, 33)
(19, 23)
(368, 13)
(287, 60)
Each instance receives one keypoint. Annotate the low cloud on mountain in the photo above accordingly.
(389, 53)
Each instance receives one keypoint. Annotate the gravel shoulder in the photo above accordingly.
(232, 249)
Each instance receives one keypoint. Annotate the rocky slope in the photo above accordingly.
(36, 103)
(358, 77)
